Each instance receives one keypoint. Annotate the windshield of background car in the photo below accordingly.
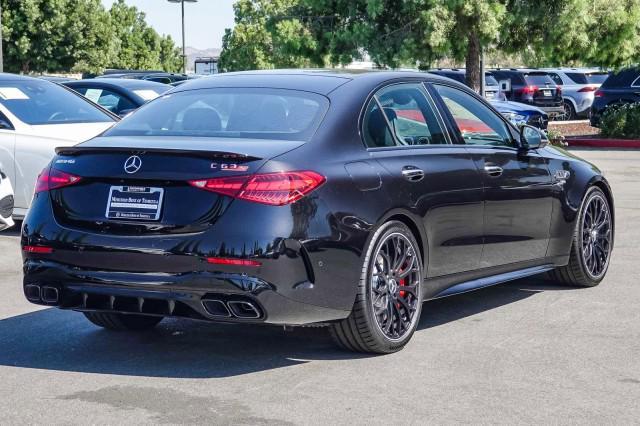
(229, 113)
(538, 79)
(41, 102)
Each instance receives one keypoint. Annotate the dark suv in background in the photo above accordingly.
(620, 88)
(491, 87)
(531, 87)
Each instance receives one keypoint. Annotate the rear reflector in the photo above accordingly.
(37, 249)
(276, 189)
(228, 261)
(52, 179)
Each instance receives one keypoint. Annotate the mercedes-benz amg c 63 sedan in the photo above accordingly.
(309, 197)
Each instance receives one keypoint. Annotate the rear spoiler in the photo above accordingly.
(79, 149)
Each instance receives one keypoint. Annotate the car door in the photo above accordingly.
(7, 147)
(428, 175)
(518, 187)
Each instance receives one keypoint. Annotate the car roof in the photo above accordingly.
(321, 81)
(129, 84)
(16, 77)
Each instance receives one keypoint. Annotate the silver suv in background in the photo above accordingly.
(578, 88)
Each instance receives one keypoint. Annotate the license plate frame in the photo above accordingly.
(135, 206)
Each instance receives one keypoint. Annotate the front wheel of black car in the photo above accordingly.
(389, 299)
(122, 322)
(592, 243)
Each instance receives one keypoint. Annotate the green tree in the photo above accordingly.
(265, 36)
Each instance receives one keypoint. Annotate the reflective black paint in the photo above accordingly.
(470, 227)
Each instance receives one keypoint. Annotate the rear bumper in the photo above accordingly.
(203, 295)
(552, 111)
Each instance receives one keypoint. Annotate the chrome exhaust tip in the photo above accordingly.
(50, 295)
(243, 309)
(216, 308)
(32, 292)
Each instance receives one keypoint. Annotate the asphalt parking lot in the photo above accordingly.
(525, 352)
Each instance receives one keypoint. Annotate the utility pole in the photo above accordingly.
(482, 82)
(184, 52)
(1, 58)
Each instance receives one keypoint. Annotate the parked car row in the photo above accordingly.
(562, 93)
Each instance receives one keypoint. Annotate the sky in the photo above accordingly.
(205, 21)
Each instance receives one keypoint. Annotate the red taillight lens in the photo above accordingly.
(598, 94)
(236, 262)
(51, 179)
(529, 90)
(586, 89)
(276, 189)
(559, 90)
(37, 249)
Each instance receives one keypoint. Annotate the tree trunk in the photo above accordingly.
(473, 61)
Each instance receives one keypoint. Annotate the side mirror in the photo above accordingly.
(532, 138)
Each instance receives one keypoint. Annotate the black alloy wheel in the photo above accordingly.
(592, 243)
(389, 301)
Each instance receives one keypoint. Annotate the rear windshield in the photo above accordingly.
(228, 113)
(42, 102)
(538, 79)
(588, 78)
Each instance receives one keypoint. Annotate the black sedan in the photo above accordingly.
(118, 95)
(309, 198)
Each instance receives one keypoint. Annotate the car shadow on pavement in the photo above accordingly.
(53, 339)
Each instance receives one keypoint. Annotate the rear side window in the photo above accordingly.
(625, 78)
(577, 77)
(539, 79)
(41, 102)
(477, 124)
(229, 113)
(401, 115)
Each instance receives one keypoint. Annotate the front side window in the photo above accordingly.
(39, 102)
(401, 115)
(228, 113)
(556, 78)
(477, 124)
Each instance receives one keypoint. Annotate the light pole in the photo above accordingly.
(184, 54)
(1, 58)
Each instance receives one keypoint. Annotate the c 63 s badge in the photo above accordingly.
(229, 167)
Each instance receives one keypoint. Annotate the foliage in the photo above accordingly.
(556, 138)
(418, 32)
(264, 37)
(622, 122)
(80, 35)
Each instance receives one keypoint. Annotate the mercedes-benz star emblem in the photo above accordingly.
(132, 164)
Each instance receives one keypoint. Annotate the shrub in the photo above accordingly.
(622, 122)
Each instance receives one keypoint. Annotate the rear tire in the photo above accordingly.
(569, 112)
(389, 299)
(122, 322)
(592, 243)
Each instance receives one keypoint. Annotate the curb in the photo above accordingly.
(603, 143)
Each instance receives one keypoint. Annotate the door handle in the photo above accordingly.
(493, 171)
(412, 173)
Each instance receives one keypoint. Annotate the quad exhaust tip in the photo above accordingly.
(232, 308)
(42, 294)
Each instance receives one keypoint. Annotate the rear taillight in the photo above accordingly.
(276, 189)
(598, 94)
(529, 90)
(587, 89)
(52, 179)
(37, 249)
(559, 89)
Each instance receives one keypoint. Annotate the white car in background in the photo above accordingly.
(36, 116)
(6, 201)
